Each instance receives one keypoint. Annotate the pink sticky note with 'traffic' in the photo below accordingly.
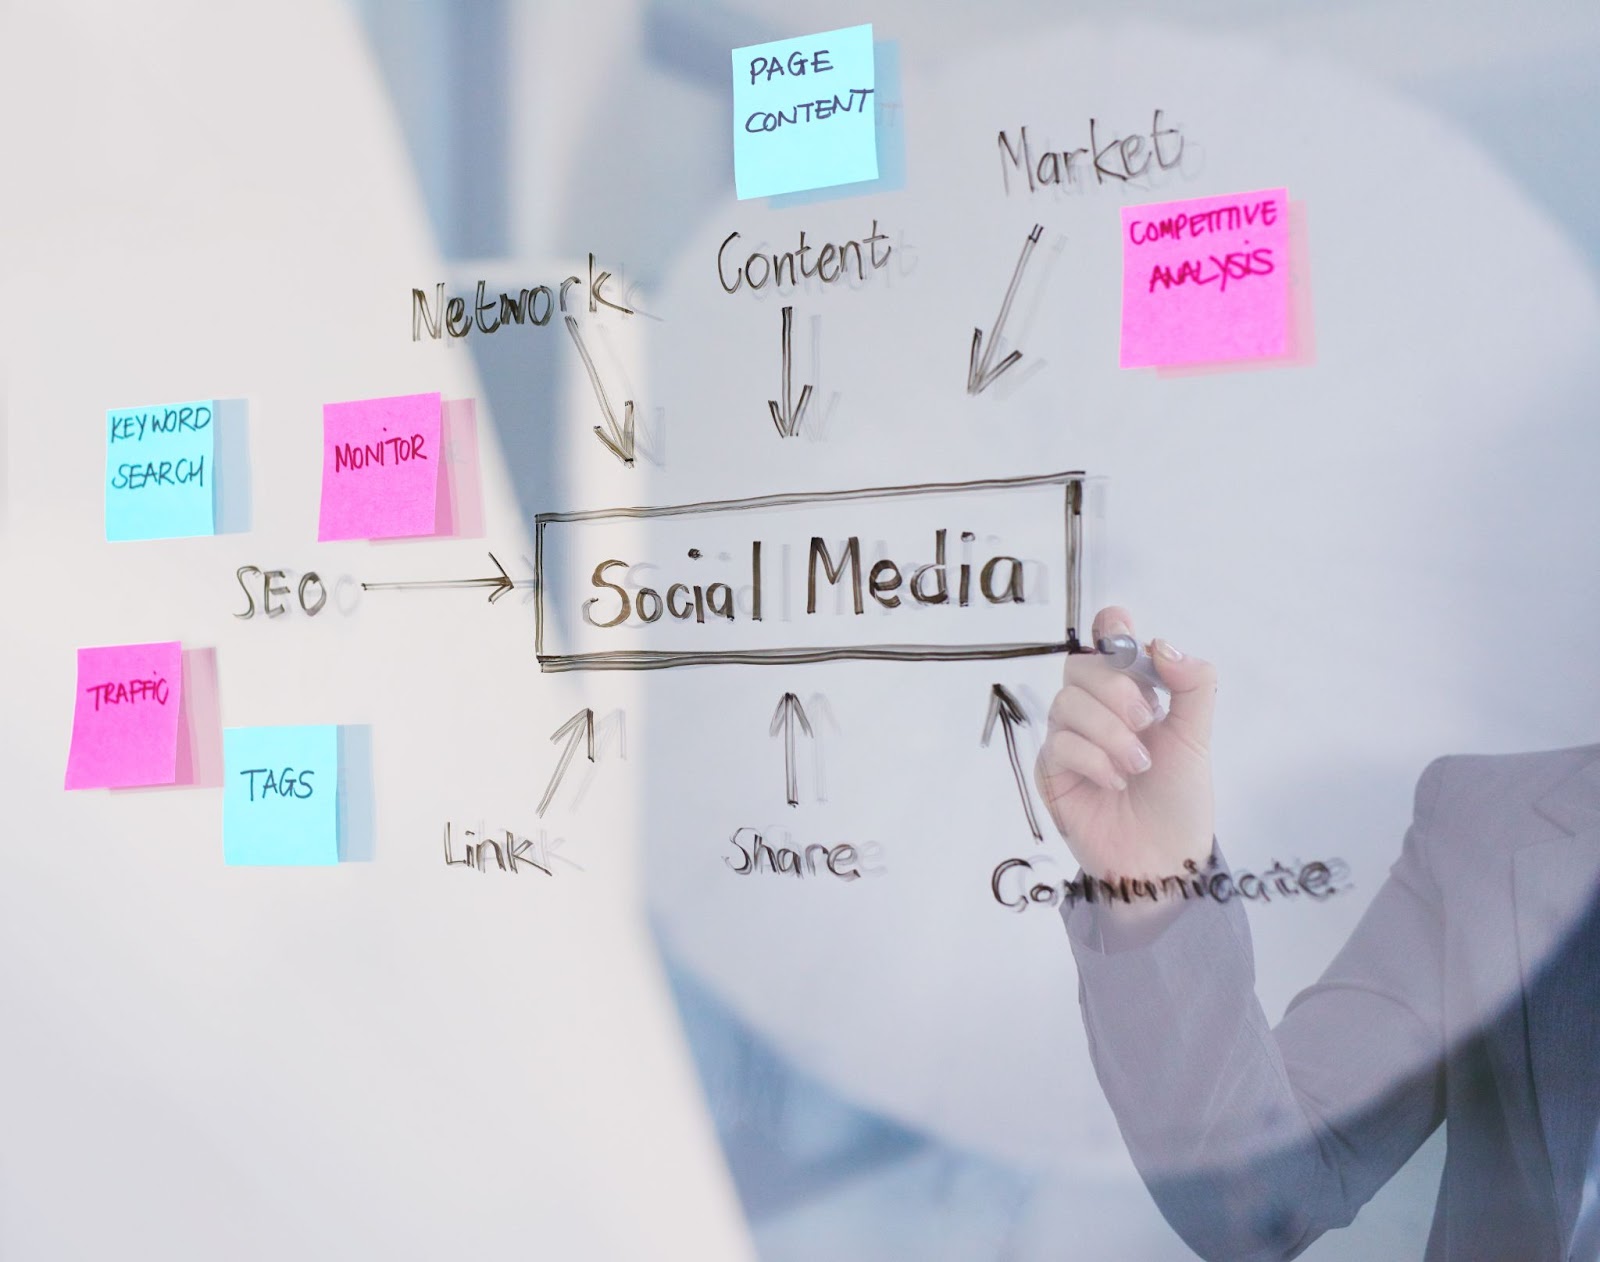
(380, 468)
(125, 722)
(1206, 280)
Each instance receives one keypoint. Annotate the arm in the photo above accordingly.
(1255, 1141)
(1252, 1141)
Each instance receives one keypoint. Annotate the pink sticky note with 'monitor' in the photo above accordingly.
(380, 468)
(1206, 280)
(125, 720)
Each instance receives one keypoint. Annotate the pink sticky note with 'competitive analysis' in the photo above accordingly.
(125, 722)
(1206, 280)
(380, 468)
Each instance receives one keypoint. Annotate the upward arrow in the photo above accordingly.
(788, 713)
(1003, 706)
(979, 374)
(619, 441)
(580, 727)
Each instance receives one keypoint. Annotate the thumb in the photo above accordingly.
(1193, 684)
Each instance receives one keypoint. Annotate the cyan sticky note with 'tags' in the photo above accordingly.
(280, 799)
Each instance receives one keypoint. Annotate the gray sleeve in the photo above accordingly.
(1254, 1141)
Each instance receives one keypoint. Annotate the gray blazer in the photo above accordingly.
(1469, 993)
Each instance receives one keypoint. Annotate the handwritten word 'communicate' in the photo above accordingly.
(1009, 885)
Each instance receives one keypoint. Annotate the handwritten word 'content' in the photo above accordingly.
(803, 113)
(759, 267)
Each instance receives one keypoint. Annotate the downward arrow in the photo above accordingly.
(788, 422)
(979, 374)
(580, 727)
(499, 584)
(788, 713)
(1003, 706)
(619, 441)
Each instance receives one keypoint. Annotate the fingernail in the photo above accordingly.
(1139, 756)
(1166, 650)
(1119, 783)
(1140, 716)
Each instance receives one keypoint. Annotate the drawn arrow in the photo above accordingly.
(619, 441)
(788, 422)
(788, 713)
(498, 584)
(580, 727)
(979, 374)
(1003, 706)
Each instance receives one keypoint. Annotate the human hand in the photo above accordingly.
(1132, 797)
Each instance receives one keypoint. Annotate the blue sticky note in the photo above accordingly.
(280, 796)
(804, 112)
(161, 471)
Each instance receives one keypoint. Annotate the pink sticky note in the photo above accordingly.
(125, 722)
(1206, 279)
(380, 468)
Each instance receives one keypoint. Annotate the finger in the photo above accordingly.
(1066, 758)
(1112, 620)
(1118, 691)
(1192, 682)
(1077, 711)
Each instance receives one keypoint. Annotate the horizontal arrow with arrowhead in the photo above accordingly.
(788, 713)
(579, 728)
(498, 583)
(1004, 707)
(788, 420)
(979, 374)
(619, 440)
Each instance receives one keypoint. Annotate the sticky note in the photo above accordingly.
(1206, 280)
(380, 468)
(803, 113)
(161, 471)
(280, 795)
(125, 720)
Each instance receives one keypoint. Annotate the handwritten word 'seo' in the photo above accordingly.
(311, 592)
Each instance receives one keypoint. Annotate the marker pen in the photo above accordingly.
(1129, 656)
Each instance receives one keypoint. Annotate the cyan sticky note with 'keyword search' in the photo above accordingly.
(804, 113)
(161, 471)
(280, 797)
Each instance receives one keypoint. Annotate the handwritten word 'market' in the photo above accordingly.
(1122, 158)
(130, 692)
